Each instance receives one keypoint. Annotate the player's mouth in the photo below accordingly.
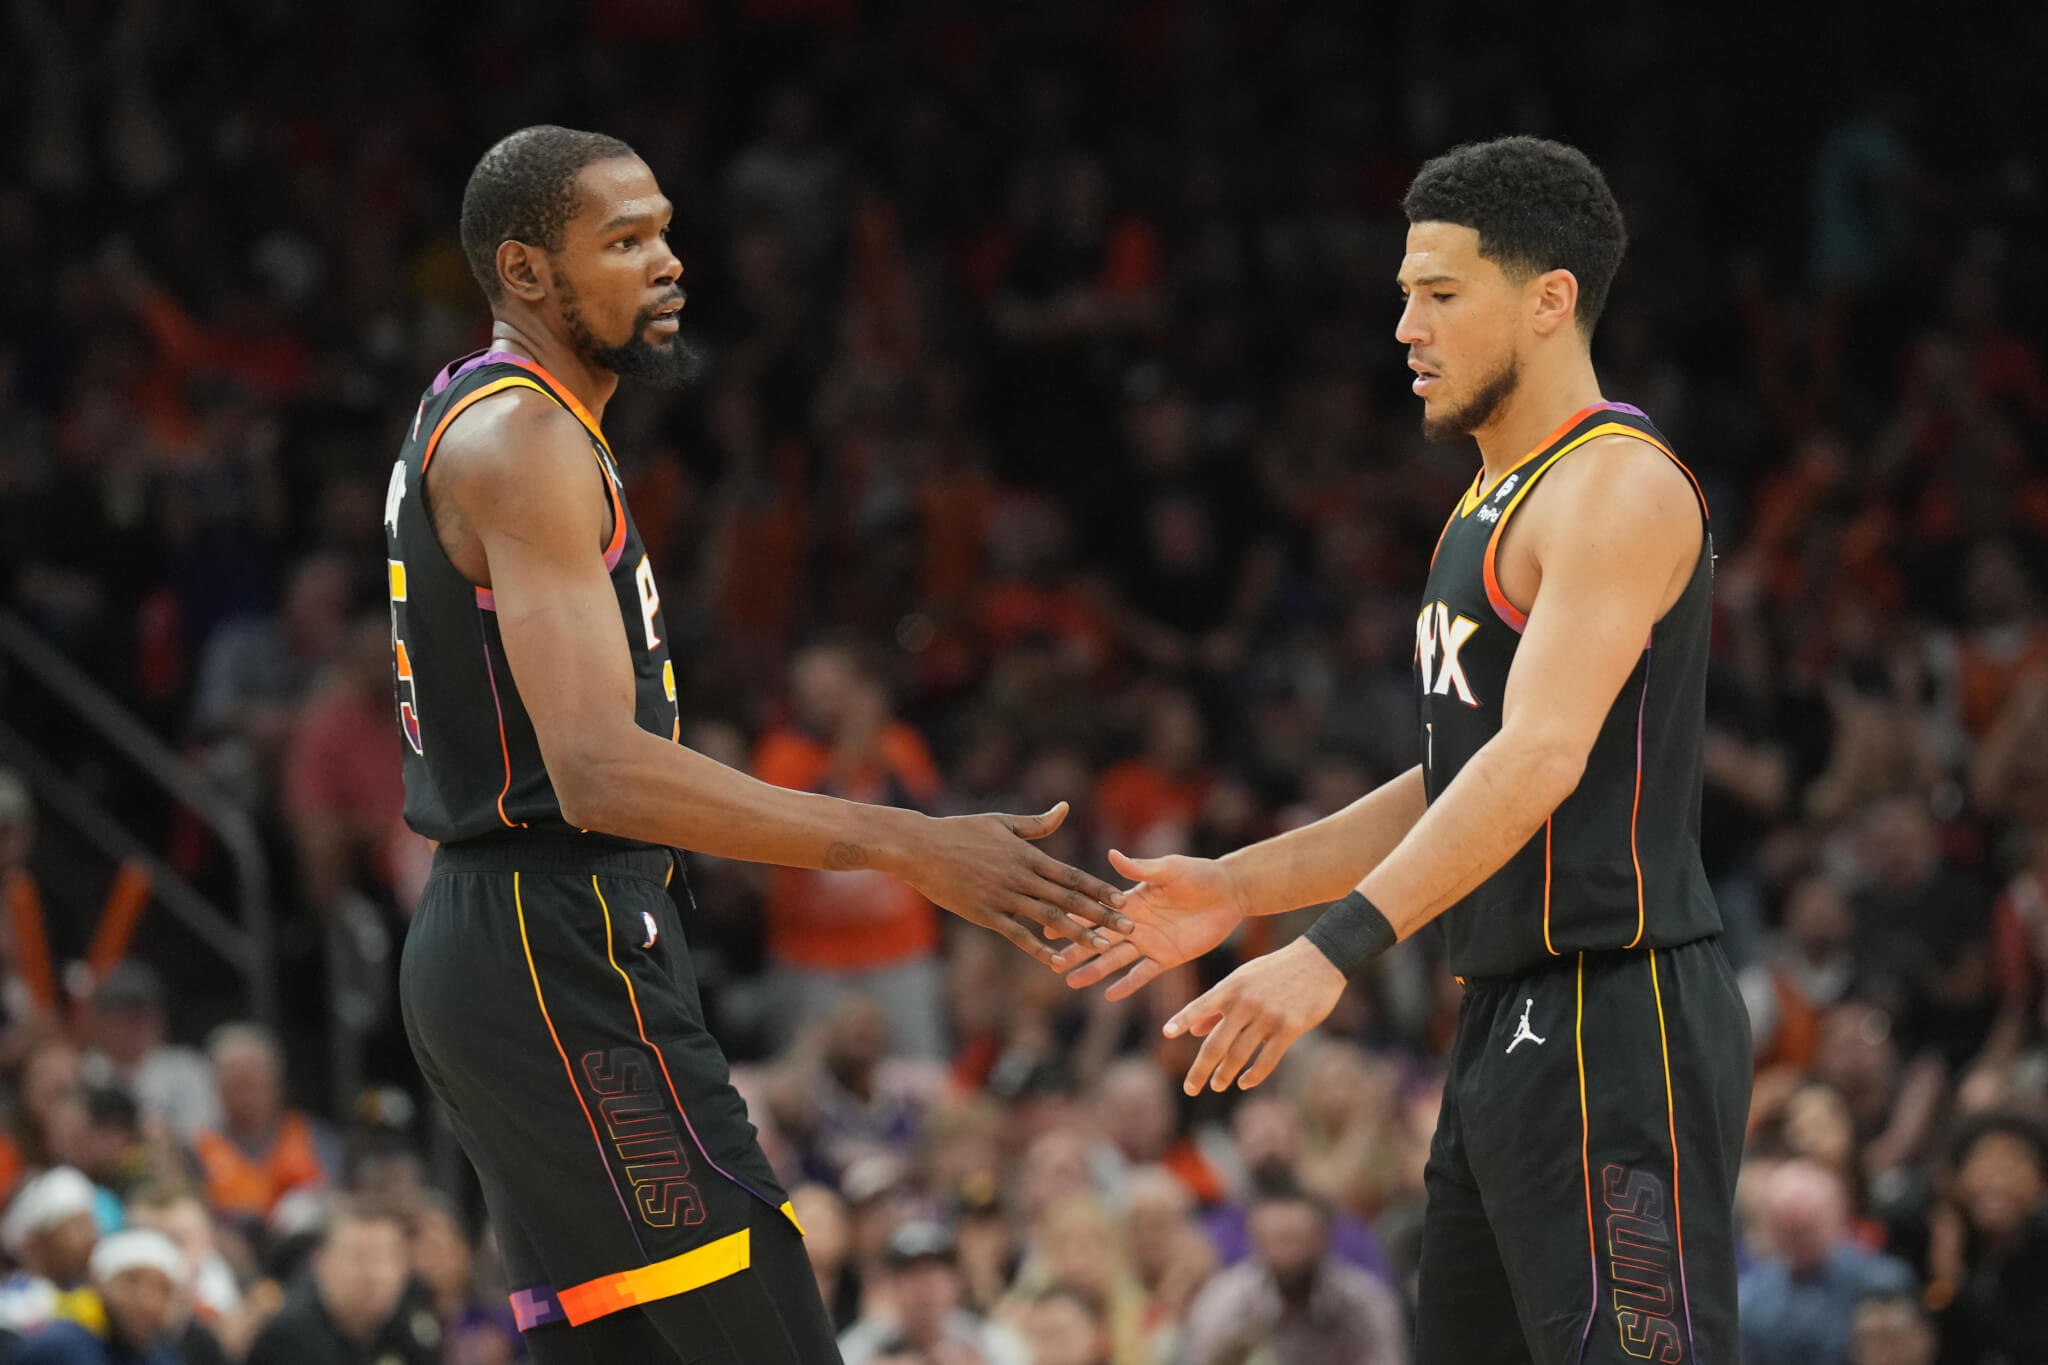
(665, 319)
(1425, 378)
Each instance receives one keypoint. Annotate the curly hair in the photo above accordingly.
(524, 190)
(1536, 205)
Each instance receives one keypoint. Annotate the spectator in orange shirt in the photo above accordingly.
(1147, 804)
(831, 934)
(262, 1150)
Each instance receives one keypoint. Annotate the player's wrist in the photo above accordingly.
(1239, 884)
(1351, 933)
(889, 837)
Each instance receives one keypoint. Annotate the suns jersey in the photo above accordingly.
(472, 764)
(1617, 865)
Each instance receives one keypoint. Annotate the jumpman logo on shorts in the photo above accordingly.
(1523, 1033)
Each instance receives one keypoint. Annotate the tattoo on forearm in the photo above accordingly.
(842, 856)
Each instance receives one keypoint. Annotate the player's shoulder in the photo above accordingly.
(1626, 475)
(517, 424)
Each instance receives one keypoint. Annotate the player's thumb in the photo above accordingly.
(1038, 826)
(1139, 869)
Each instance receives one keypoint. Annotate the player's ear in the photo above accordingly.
(1555, 298)
(524, 274)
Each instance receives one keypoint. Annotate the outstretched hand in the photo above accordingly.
(984, 869)
(1180, 909)
(1259, 1011)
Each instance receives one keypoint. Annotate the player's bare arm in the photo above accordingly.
(521, 511)
(1600, 556)
(1185, 906)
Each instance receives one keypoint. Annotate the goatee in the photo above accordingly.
(668, 364)
(1480, 409)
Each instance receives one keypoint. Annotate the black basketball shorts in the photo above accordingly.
(1581, 1183)
(550, 1002)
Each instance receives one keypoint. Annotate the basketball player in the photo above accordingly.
(1582, 1176)
(546, 986)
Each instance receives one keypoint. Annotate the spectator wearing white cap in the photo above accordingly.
(49, 1230)
(140, 1277)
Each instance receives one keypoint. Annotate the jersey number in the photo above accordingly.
(408, 694)
(1438, 638)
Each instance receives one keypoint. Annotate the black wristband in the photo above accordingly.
(1351, 933)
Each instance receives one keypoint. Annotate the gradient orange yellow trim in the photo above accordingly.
(693, 1269)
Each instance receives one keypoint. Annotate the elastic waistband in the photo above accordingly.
(1568, 960)
(557, 855)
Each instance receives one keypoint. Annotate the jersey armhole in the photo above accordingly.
(1514, 617)
(613, 549)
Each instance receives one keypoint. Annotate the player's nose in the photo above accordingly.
(1408, 330)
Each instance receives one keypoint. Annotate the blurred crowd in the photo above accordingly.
(1053, 445)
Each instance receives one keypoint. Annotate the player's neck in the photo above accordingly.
(1541, 403)
(592, 386)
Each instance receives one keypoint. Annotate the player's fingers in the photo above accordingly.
(1268, 1061)
(1199, 1015)
(1024, 934)
(1082, 894)
(1072, 954)
(1135, 980)
(1255, 1031)
(1214, 1048)
(1087, 974)
(1028, 899)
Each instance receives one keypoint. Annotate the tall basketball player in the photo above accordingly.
(1582, 1177)
(546, 986)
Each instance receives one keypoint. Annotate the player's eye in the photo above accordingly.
(1440, 297)
(627, 242)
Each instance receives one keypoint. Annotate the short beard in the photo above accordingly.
(672, 364)
(1482, 408)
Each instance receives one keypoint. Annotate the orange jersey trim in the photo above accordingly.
(464, 403)
(1514, 616)
(1476, 495)
(553, 390)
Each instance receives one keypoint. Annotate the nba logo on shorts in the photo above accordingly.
(647, 918)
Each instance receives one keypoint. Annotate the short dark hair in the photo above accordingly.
(363, 1208)
(2029, 1132)
(1537, 205)
(1278, 1184)
(524, 190)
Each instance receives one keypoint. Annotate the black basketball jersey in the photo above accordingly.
(472, 764)
(1617, 865)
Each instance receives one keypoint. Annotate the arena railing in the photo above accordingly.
(246, 940)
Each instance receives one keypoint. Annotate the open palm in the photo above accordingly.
(1181, 908)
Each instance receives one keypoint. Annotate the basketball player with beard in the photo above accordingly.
(546, 985)
(1581, 1179)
